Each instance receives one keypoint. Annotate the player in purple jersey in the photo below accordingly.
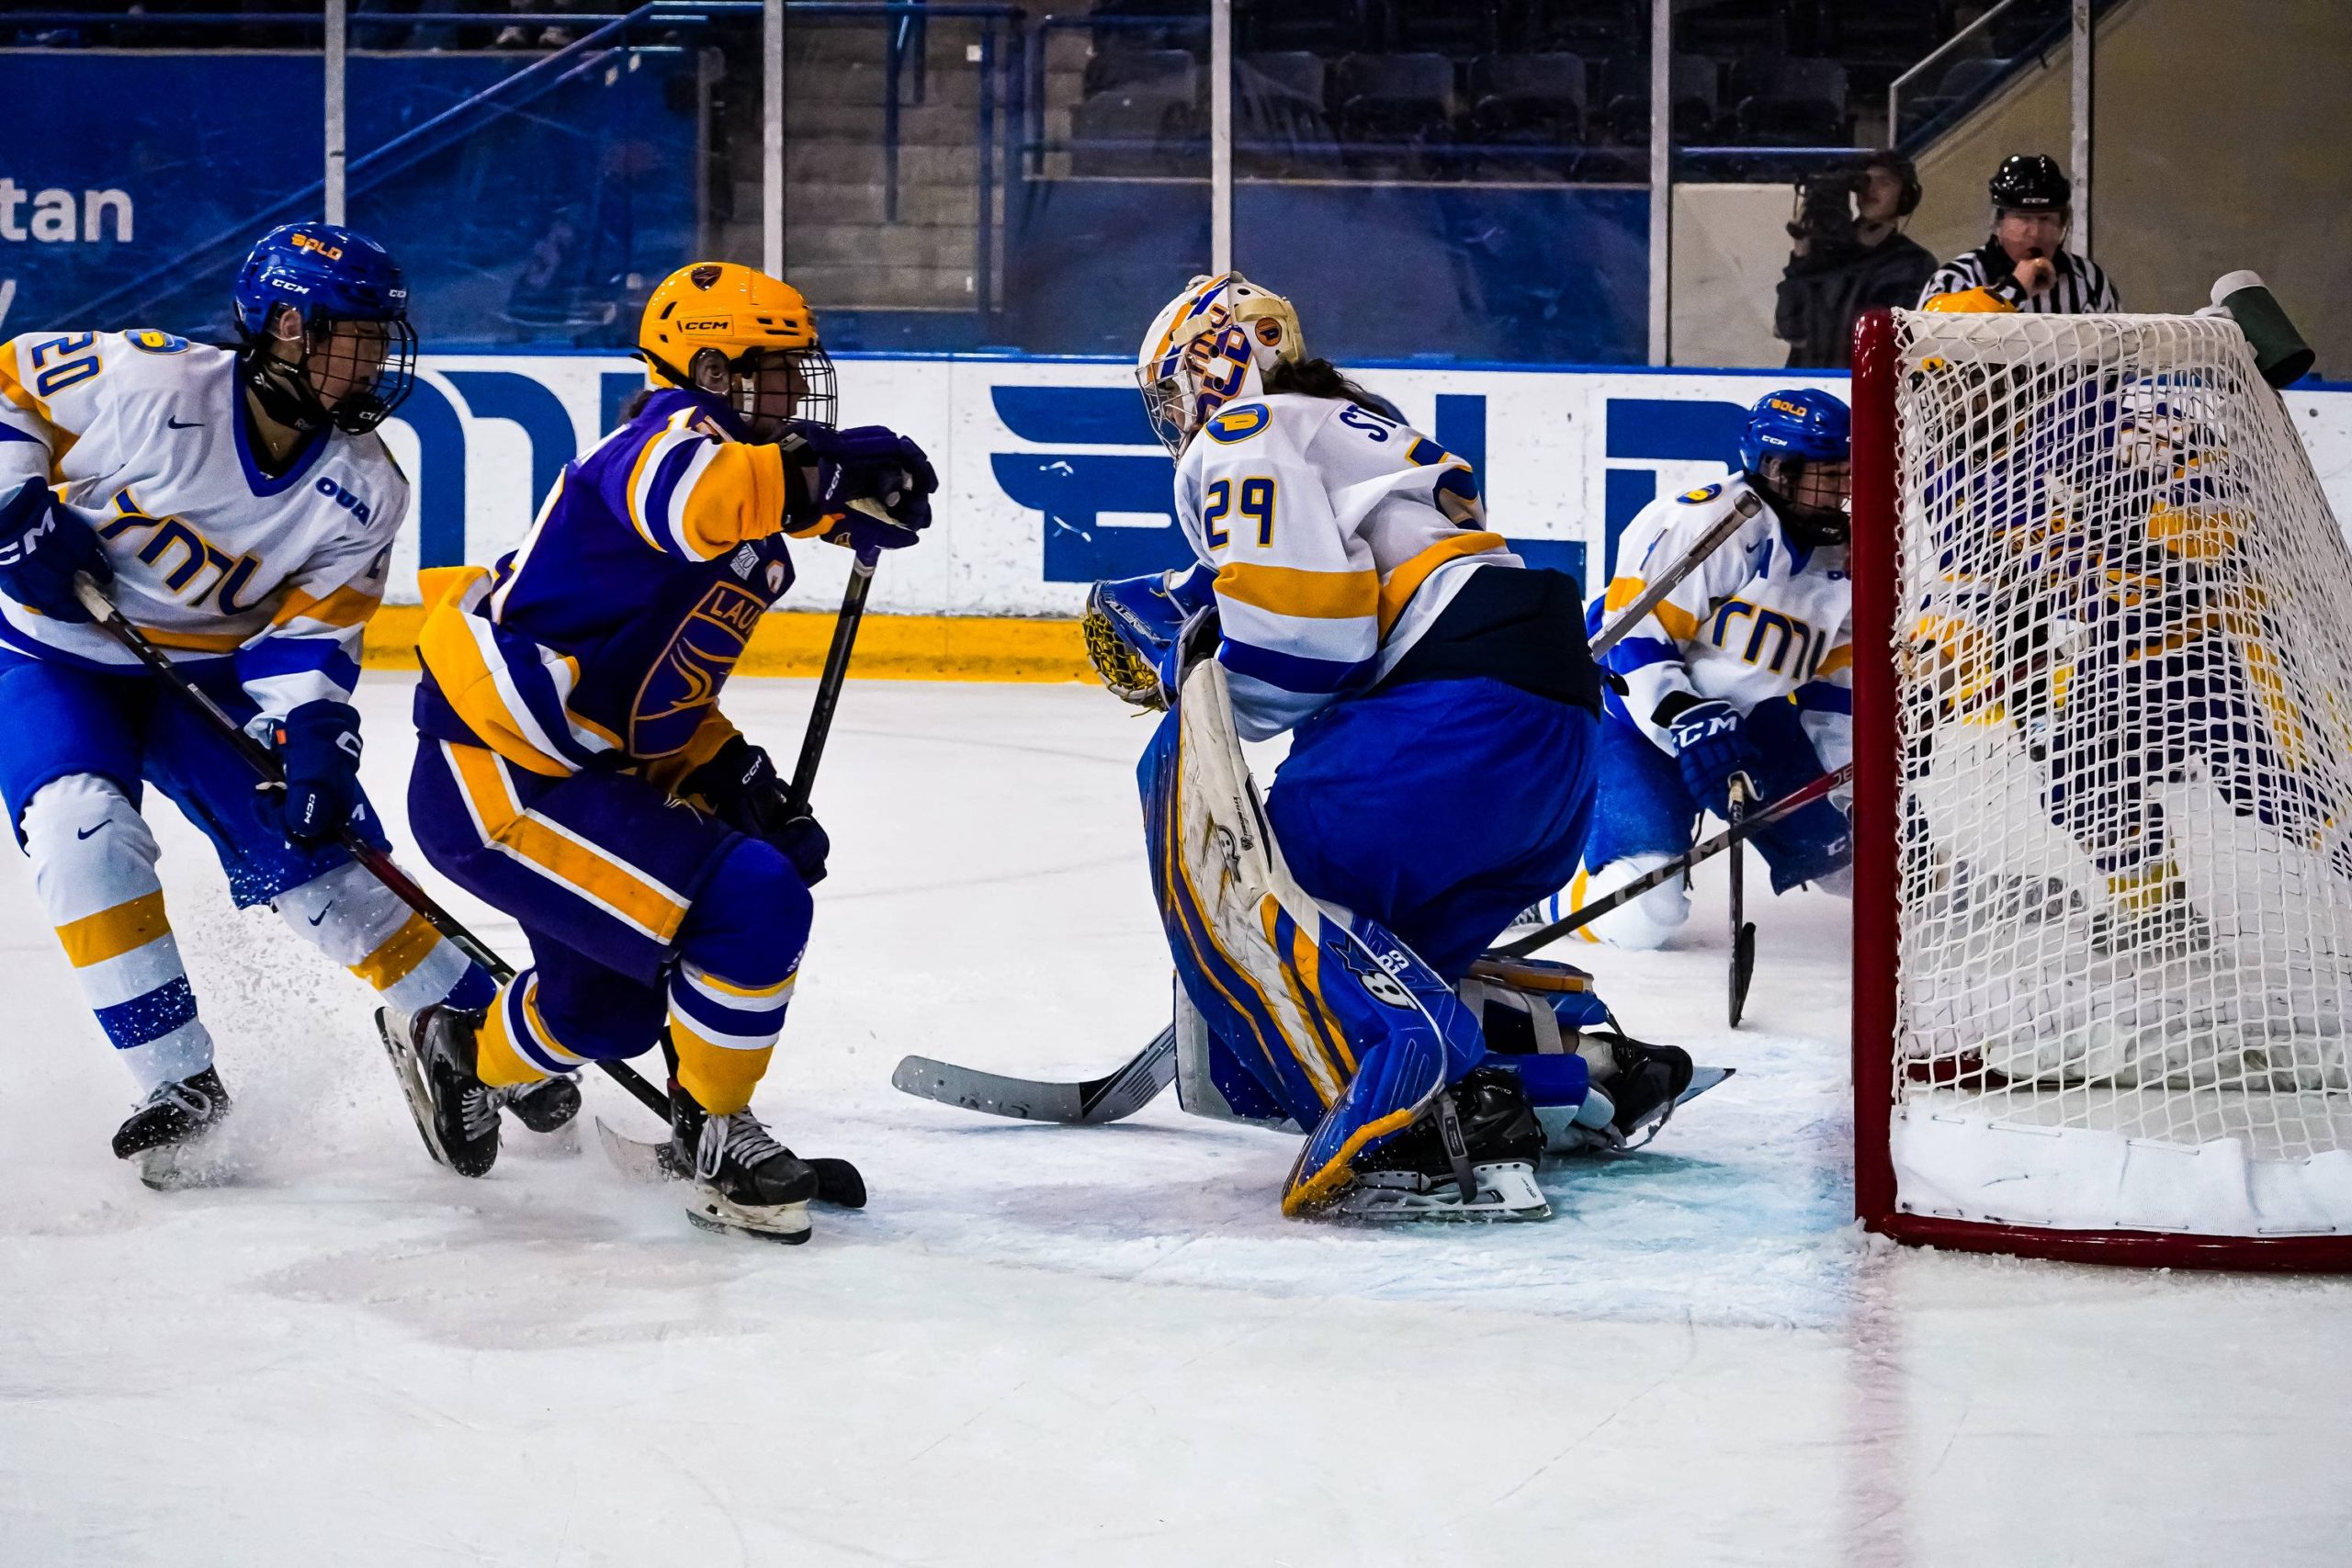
(575, 771)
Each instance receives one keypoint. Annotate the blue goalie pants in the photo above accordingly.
(1435, 811)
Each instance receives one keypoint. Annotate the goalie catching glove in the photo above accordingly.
(1132, 625)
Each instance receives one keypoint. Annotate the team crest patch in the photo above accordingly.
(1704, 492)
(683, 682)
(154, 341)
(1239, 422)
(776, 578)
(703, 275)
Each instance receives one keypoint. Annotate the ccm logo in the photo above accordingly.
(343, 498)
(707, 325)
(331, 253)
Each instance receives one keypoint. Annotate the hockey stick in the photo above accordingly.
(1089, 1103)
(1706, 850)
(1743, 931)
(829, 683)
(1653, 595)
(1134, 1085)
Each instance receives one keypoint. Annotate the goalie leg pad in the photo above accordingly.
(1288, 988)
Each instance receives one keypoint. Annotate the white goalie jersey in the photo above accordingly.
(1337, 536)
(1759, 621)
(213, 558)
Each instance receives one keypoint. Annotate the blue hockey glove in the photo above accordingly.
(317, 744)
(740, 786)
(43, 545)
(1130, 624)
(866, 463)
(1712, 750)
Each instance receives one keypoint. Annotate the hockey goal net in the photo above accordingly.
(2103, 798)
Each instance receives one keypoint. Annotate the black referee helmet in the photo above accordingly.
(2030, 182)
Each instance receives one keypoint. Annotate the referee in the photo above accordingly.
(2025, 266)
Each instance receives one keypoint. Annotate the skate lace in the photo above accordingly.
(740, 1136)
(187, 1097)
(478, 1111)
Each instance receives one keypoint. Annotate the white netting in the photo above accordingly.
(2125, 661)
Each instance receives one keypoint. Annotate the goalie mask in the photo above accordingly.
(1211, 345)
(733, 330)
(1797, 449)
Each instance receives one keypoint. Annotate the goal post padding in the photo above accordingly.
(2103, 798)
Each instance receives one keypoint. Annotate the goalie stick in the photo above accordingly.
(1089, 1103)
(1128, 1089)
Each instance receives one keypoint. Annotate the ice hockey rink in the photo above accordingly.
(1084, 1345)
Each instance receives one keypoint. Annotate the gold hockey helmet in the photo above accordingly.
(732, 330)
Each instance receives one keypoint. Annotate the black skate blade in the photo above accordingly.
(838, 1182)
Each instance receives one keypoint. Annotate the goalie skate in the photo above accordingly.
(1506, 1190)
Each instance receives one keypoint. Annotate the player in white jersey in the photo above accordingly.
(1442, 708)
(238, 507)
(1743, 673)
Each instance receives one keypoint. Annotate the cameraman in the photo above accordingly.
(1849, 256)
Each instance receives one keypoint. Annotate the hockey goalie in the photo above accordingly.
(1441, 707)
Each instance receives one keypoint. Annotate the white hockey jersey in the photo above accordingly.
(1336, 536)
(1760, 621)
(142, 433)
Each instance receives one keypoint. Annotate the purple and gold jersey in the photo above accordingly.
(603, 639)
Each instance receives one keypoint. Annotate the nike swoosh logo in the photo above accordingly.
(323, 914)
(183, 423)
(86, 833)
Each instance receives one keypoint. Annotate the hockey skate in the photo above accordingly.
(456, 1113)
(170, 1135)
(550, 1109)
(1471, 1156)
(743, 1180)
(1638, 1085)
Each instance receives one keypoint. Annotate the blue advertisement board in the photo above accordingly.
(535, 217)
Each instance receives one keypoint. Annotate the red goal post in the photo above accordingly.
(2102, 891)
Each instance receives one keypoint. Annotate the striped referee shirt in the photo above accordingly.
(2080, 289)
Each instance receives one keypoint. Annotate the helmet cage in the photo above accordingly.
(1812, 495)
(375, 384)
(1195, 378)
(765, 387)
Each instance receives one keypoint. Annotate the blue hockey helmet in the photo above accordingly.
(1795, 450)
(1795, 422)
(358, 359)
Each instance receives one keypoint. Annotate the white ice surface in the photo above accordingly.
(1050, 1345)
